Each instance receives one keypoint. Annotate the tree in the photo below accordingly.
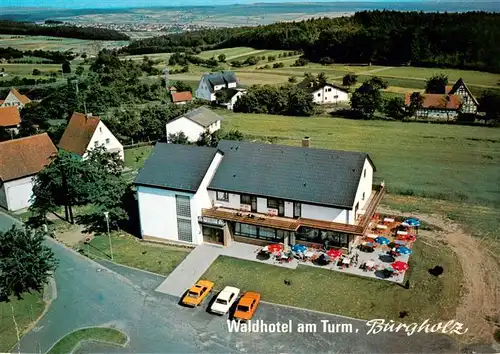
(178, 138)
(366, 100)
(26, 263)
(271, 58)
(233, 135)
(436, 84)
(416, 103)
(36, 72)
(395, 108)
(222, 57)
(349, 80)
(378, 83)
(292, 79)
(278, 65)
(321, 79)
(489, 103)
(208, 139)
(79, 70)
(301, 62)
(224, 95)
(66, 67)
(182, 86)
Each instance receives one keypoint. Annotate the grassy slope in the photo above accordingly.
(135, 158)
(443, 161)
(334, 292)
(26, 311)
(100, 334)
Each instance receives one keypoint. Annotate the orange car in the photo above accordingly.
(197, 293)
(247, 306)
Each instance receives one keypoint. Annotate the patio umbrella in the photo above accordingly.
(413, 222)
(399, 266)
(299, 248)
(334, 253)
(382, 240)
(275, 247)
(403, 250)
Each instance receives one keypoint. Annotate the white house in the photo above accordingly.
(210, 83)
(234, 95)
(194, 122)
(10, 119)
(325, 94)
(20, 160)
(14, 98)
(255, 193)
(85, 132)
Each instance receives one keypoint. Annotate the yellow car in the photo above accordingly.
(197, 293)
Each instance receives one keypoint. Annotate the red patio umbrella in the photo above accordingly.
(275, 247)
(334, 253)
(399, 266)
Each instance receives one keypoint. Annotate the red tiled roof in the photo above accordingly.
(78, 133)
(2, 101)
(22, 98)
(9, 116)
(182, 96)
(25, 156)
(432, 100)
(448, 89)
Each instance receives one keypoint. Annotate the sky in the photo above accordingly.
(69, 4)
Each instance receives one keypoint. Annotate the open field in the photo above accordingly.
(57, 44)
(25, 70)
(96, 334)
(334, 292)
(135, 158)
(26, 311)
(439, 161)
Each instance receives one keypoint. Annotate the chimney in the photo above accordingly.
(88, 115)
(306, 142)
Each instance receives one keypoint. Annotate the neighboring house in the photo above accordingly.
(194, 122)
(469, 102)
(437, 106)
(325, 94)
(181, 97)
(232, 94)
(85, 132)
(255, 193)
(213, 82)
(20, 160)
(10, 119)
(14, 98)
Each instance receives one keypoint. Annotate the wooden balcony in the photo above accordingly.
(289, 224)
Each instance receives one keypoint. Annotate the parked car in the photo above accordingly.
(246, 306)
(197, 293)
(225, 300)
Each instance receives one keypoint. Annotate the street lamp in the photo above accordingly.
(106, 215)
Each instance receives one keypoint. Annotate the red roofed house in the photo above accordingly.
(437, 106)
(181, 97)
(84, 132)
(21, 160)
(10, 119)
(14, 98)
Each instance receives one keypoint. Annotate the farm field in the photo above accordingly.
(57, 44)
(458, 163)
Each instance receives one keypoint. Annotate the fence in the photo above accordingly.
(136, 145)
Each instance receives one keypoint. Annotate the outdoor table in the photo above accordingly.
(265, 249)
(388, 220)
(372, 235)
(402, 232)
(309, 254)
(346, 261)
(381, 226)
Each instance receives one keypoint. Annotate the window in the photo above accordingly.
(100, 129)
(183, 207)
(364, 173)
(223, 196)
(96, 143)
(259, 232)
(329, 89)
(272, 203)
(336, 96)
(245, 199)
(319, 94)
(297, 210)
(107, 140)
(363, 197)
(328, 238)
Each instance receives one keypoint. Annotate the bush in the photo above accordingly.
(326, 61)
(278, 65)
(301, 62)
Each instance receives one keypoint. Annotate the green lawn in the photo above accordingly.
(129, 251)
(26, 311)
(334, 292)
(450, 162)
(135, 157)
(231, 53)
(100, 334)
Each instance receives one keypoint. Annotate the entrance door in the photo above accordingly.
(254, 204)
(213, 235)
(281, 208)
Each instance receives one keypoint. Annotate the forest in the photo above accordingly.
(54, 56)
(65, 31)
(456, 40)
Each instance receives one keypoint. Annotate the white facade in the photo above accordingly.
(12, 100)
(204, 91)
(330, 94)
(363, 193)
(157, 208)
(190, 128)
(16, 194)
(103, 137)
(232, 102)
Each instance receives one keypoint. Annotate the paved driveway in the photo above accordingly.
(90, 294)
(6, 221)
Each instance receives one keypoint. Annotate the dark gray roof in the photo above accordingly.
(317, 176)
(220, 78)
(202, 115)
(175, 166)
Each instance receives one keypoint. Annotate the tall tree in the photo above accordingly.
(222, 57)
(489, 103)
(436, 84)
(26, 263)
(366, 100)
(395, 108)
(321, 79)
(416, 103)
(349, 79)
(178, 138)
(66, 67)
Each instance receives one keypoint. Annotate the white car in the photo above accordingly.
(225, 300)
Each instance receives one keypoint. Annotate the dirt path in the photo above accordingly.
(481, 277)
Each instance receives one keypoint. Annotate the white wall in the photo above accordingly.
(438, 114)
(158, 215)
(289, 209)
(233, 203)
(101, 134)
(11, 100)
(191, 129)
(365, 186)
(16, 194)
(324, 213)
(328, 94)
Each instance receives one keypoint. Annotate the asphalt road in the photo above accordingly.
(6, 221)
(89, 294)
